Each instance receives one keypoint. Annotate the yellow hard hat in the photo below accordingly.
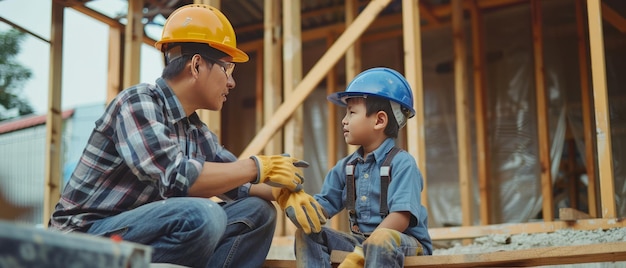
(198, 23)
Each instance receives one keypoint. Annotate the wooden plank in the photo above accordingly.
(462, 114)
(272, 70)
(607, 252)
(412, 41)
(519, 228)
(613, 17)
(601, 109)
(54, 120)
(133, 35)
(480, 113)
(588, 123)
(353, 55)
(272, 83)
(114, 75)
(542, 113)
(292, 75)
(258, 100)
(314, 76)
(570, 214)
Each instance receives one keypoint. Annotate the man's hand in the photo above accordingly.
(301, 208)
(279, 171)
(354, 259)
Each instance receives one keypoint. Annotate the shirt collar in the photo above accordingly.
(173, 106)
(378, 154)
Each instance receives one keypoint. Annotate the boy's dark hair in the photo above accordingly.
(176, 64)
(375, 104)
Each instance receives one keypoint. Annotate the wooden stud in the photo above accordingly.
(601, 105)
(132, 43)
(588, 123)
(272, 83)
(416, 140)
(480, 112)
(114, 77)
(353, 55)
(272, 70)
(314, 76)
(54, 120)
(462, 114)
(542, 113)
(292, 74)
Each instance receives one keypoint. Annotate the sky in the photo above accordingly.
(85, 52)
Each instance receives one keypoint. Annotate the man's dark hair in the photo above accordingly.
(176, 63)
(375, 104)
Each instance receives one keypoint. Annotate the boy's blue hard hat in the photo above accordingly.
(381, 82)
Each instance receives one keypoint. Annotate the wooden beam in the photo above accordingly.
(480, 113)
(80, 7)
(426, 10)
(613, 17)
(601, 105)
(412, 41)
(588, 123)
(451, 233)
(353, 55)
(542, 113)
(319, 70)
(54, 120)
(606, 252)
(114, 71)
(293, 140)
(132, 43)
(272, 70)
(570, 214)
(462, 113)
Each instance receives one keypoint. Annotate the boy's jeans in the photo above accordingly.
(198, 232)
(381, 249)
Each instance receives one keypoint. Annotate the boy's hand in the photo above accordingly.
(301, 208)
(279, 171)
(354, 259)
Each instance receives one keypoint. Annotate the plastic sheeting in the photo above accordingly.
(512, 114)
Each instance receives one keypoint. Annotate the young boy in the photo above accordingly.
(387, 219)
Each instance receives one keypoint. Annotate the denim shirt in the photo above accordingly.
(404, 192)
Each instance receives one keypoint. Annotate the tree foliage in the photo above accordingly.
(12, 76)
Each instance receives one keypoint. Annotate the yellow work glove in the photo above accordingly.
(354, 259)
(279, 171)
(301, 208)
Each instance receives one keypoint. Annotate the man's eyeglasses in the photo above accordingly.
(227, 67)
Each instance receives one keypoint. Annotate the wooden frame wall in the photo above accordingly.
(353, 32)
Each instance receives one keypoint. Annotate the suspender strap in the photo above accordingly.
(351, 195)
(385, 179)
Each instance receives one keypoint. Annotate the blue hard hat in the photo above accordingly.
(381, 82)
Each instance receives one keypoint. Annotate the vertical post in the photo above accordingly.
(353, 55)
(462, 112)
(601, 104)
(480, 112)
(542, 112)
(416, 140)
(292, 60)
(272, 70)
(133, 38)
(116, 50)
(588, 124)
(54, 120)
(272, 81)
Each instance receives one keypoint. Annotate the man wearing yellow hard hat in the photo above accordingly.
(150, 164)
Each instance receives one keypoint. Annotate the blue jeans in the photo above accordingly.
(383, 248)
(198, 232)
